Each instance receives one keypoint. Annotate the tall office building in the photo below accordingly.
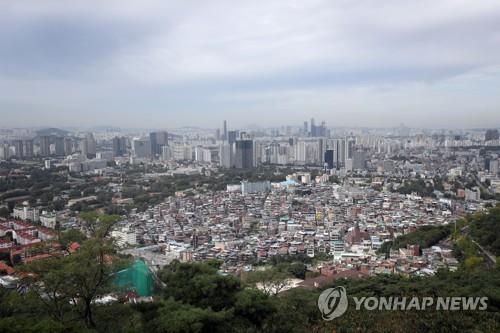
(45, 145)
(491, 134)
(28, 148)
(89, 145)
(119, 146)
(141, 148)
(225, 131)
(243, 154)
(359, 160)
(59, 143)
(329, 158)
(338, 153)
(232, 136)
(225, 155)
(18, 148)
(4, 151)
(68, 146)
(158, 140)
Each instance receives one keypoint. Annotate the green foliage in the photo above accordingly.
(485, 229)
(425, 237)
(71, 235)
(271, 280)
(200, 284)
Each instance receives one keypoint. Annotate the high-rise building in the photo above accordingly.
(68, 146)
(158, 140)
(329, 158)
(45, 145)
(493, 167)
(232, 136)
(18, 148)
(166, 153)
(243, 154)
(225, 155)
(225, 131)
(141, 148)
(89, 145)
(4, 151)
(491, 134)
(359, 160)
(119, 145)
(28, 148)
(59, 143)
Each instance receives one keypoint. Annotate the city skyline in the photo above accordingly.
(426, 64)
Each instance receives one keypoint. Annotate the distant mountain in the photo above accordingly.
(52, 131)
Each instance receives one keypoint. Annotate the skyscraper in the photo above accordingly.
(119, 145)
(45, 145)
(491, 134)
(329, 158)
(243, 154)
(68, 146)
(28, 148)
(141, 148)
(89, 145)
(231, 137)
(158, 140)
(59, 143)
(18, 148)
(225, 131)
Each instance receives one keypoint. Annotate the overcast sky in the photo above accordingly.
(163, 64)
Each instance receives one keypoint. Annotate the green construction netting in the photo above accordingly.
(137, 278)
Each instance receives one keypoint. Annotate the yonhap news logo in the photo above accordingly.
(333, 303)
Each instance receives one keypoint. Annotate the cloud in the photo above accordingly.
(154, 62)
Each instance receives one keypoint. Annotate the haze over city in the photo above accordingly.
(194, 63)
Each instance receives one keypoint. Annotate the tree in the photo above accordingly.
(200, 284)
(271, 281)
(78, 279)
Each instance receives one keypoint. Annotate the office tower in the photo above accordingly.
(158, 140)
(225, 155)
(491, 134)
(68, 146)
(231, 137)
(141, 148)
(313, 128)
(217, 134)
(4, 151)
(493, 167)
(18, 148)
(202, 155)
(329, 158)
(339, 148)
(59, 143)
(243, 154)
(225, 131)
(119, 145)
(45, 145)
(349, 148)
(166, 153)
(89, 146)
(305, 129)
(359, 160)
(28, 148)
(182, 151)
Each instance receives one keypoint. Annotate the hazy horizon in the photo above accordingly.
(427, 64)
